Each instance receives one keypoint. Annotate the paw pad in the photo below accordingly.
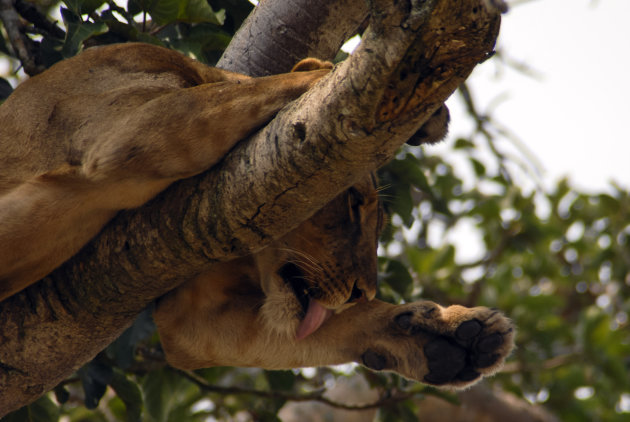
(458, 358)
(468, 330)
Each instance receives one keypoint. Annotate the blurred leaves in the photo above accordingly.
(468, 225)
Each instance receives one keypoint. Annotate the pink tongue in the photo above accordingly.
(315, 316)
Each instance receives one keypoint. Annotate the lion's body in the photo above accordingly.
(108, 130)
(114, 126)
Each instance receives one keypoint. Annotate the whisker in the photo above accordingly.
(308, 267)
(306, 260)
(381, 188)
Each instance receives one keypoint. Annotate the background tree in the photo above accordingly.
(563, 275)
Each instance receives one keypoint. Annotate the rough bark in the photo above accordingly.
(287, 31)
(414, 54)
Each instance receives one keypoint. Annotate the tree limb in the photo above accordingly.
(29, 12)
(411, 59)
(287, 31)
(315, 396)
(22, 45)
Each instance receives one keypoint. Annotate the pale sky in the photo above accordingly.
(574, 117)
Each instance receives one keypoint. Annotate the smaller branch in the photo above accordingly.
(317, 396)
(481, 120)
(121, 11)
(22, 45)
(33, 15)
(530, 163)
(546, 365)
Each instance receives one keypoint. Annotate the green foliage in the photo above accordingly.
(557, 262)
(5, 89)
(191, 26)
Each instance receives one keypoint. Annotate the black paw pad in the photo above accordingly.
(445, 360)
(490, 343)
(458, 358)
(468, 374)
(468, 330)
(373, 360)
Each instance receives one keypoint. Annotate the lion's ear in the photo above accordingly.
(311, 64)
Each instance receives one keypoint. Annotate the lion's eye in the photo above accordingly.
(355, 198)
(355, 202)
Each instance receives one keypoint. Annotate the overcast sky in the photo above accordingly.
(575, 116)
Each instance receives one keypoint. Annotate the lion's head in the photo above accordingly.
(324, 265)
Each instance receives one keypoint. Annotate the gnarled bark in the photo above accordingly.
(413, 56)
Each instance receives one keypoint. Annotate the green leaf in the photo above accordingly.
(83, 7)
(162, 11)
(156, 386)
(445, 257)
(3, 47)
(5, 89)
(478, 167)
(50, 51)
(462, 143)
(94, 377)
(402, 412)
(61, 394)
(130, 394)
(448, 396)
(265, 416)
(42, 410)
(192, 11)
(166, 394)
(610, 203)
(131, 33)
(200, 11)
(280, 380)
(78, 31)
(398, 277)
(204, 41)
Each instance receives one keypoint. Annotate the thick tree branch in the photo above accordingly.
(287, 31)
(412, 58)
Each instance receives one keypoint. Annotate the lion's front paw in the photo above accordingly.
(451, 347)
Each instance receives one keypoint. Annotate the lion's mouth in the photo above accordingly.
(313, 313)
(294, 277)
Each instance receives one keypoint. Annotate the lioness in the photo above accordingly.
(90, 137)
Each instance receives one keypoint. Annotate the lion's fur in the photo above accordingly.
(112, 127)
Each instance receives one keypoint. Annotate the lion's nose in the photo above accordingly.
(356, 295)
(360, 293)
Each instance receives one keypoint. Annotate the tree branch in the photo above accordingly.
(316, 396)
(411, 59)
(22, 45)
(30, 13)
(287, 31)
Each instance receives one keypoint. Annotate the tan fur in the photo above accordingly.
(108, 130)
(243, 313)
(112, 127)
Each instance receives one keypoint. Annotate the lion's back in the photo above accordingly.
(40, 118)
